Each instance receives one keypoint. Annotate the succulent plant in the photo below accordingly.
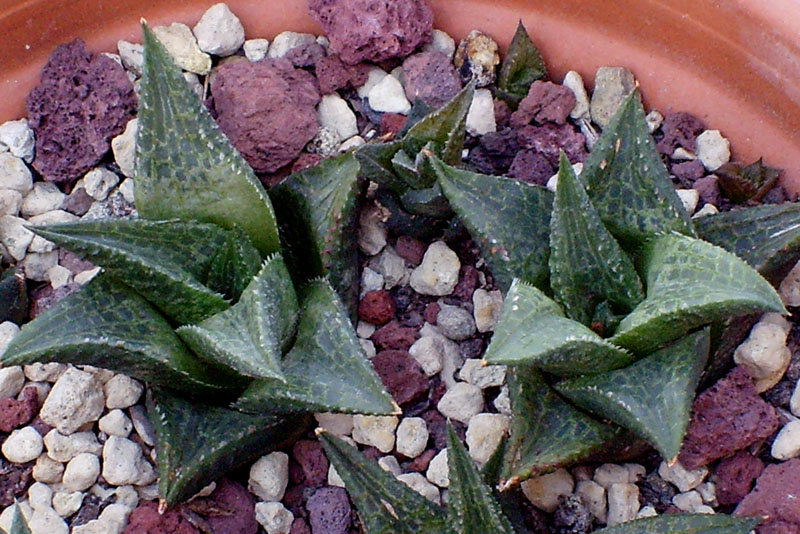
(610, 293)
(474, 506)
(238, 345)
(18, 523)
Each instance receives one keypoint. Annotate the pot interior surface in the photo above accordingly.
(734, 64)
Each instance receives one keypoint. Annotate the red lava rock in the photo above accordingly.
(306, 161)
(145, 519)
(545, 102)
(267, 109)
(294, 499)
(333, 73)
(232, 496)
(431, 312)
(394, 336)
(299, 526)
(410, 249)
(532, 167)
(735, 476)
(376, 307)
(373, 30)
(688, 171)
(778, 527)
(495, 151)
(502, 114)
(312, 460)
(402, 375)
(726, 417)
(15, 413)
(421, 462)
(15, 479)
(680, 130)
(467, 282)
(392, 123)
(708, 188)
(775, 495)
(81, 103)
(306, 55)
(329, 511)
(43, 428)
(550, 139)
(431, 77)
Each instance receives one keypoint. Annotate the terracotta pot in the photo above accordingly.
(735, 64)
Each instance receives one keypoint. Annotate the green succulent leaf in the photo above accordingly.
(251, 336)
(385, 505)
(166, 262)
(766, 237)
(509, 219)
(628, 183)
(197, 443)
(471, 508)
(233, 265)
(18, 523)
(522, 65)
(405, 167)
(430, 202)
(741, 183)
(587, 265)
(186, 168)
(317, 210)
(13, 297)
(685, 524)
(108, 325)
(376, 161)
(547, 432)
(652, 397)
(533, 331)
(326, 369)
(691, 283)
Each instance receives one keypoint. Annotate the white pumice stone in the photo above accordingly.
(574, 82)
(461, 402)
(274, 517)
(22, 445)
(182, 46)
(593, 496)
(219, 31)
(128, 496)
(11, 378)
(124, 148)
(14, 236)
(487, 308)
(122, 392)
(65, 504)
(478, 374)
(63, 448)
(375, 430)
(480, 117)
(764, 353)
(335, 113)
(44, 197)
(81, 472)
(19, 138)
(713, 150)
(112, 520)
(40, 496)
(14, 174)
(684, 479)
(10, 202)
(608, 474)
(412, 436)
(285, 41)
(427, 351)
(116, 423)
(132, 56)
(787, 442)
(76, 398)
(99, 182)
(545, 491)
(623, 503)
(124, 463)
(484, 433)
(421, 485)
(269, 476)
(255, 49)
(47, 470)
(441, 42)
(45, 372)
(46, 520)
(437, 275)
(438, 471)
(388, 96)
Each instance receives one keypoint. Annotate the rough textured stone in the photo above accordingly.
(461, 402)
(403, 377)
(550, 139)
(81, 103)
(376, 307)
(545, 491)
(412, 436)
(531, 167)
(181, 44)
(735, 476)
(23, 445)
(373, 30)
(455, 323)
(708, 189)
(124, 463)
(775, 494)
(430, 77)
(15, 413)
(231, 509)
(726, 417)
(545, 102)
(764, 353)
(329, 511)
(484, 433)
(267, 109)
(312, 460)
(333, 73)
(680, 130)
(611, 86)
(394, 336)
(219, 31)
(76, 398)
(269, 476)
(438, 273)
(274, 517)
(145, 519)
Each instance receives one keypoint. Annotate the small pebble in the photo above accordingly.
(787, 442)
(477, 58)
(484, 433)
(19, 138)
(608, 474)
(115, 423)
(480, 118)
(182, 46)
(122, 392)
(23, 445)
(335, 113)
(546, 491)
(623, 503)
(132, 56)
(421, 485)
(274, 517)
(594, 497)
(611, 86)
(11, 378)
(441, 42)
(764, 353)
(456, 323)
(256, 49)
(438, 472)
(14, 174)
(374, 76)
(81, 472)
(124, 148)
(47, 470)
(124, 463)
(269, 476)
(461, 402)
(376, 431)
(427, 351)
(488, 307)
(689, 501)
(99, 182)
(677, 474)
(65, 504)
(412, 436)
(76, 398)
(389, 96)
(285, 41)
(390, 465)
(63, 448)
(438, 273)
(574, 82)
(219, 31)
(654, 120)
(689, 199)
(713, 150)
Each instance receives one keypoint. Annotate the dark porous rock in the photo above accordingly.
(531, 167)
(78, 202)
(679, 130)
(775, 494)
(294, 498)
(431, 312)
(550, 139)
(735, 476)
(145, 519)
(572, 516)
(306, 55)
(727, 417)
(502, 114)
(780, 394)
(402, 375)
(312, 460)
(299, 526)
(333, 73)
(656, 492)
(267, 109)
(431, 77)
(373, 30)
(708, 189)
(772, 526)
(15, 479)
(230, 509)
(394, 336)
(376, 307)
(437, 428)
(81, 103)
(687, 172)
(471, 348)
(89, 510)
(545, 102)
(410, 249)
(495, 152)
(467, 282)
(45, 296)
(392, 123)
(15, 413)
(329, 511)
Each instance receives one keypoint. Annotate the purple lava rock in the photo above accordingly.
(545, 102)
(431, 77)
(373, 30)
(15, 479)
(467, 282)
(495, 151)
(306, 55)
(402, 375)
(239, 505)
(708, 188)
(531, 167)
(735, 476)
(550, 139)
(680, 130)
(81, 103)
(299, 526)
(333, 73)
(394, 336)
(775, 496)
(267, 109)
(687, 172)
(410, 249)
(312, 460)
(329, 511)
(145, 519)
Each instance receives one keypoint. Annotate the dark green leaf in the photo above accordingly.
(766, 237)
(198, 443)
(233, 265)
(326, 370)
(471, 508)
(13, 297)
(18, 523)
(317, 211)
(746, 182)
(533, 331)
(522, 65)
(685, 524)
(508, 219)
(251, 336)
(164, 261)
(546, 432)
(385, 505)
(401, 222)
(376, 164)
(652, 397)
(108, 325)
(186, 168)
(691, 283)
(430, 202)
(628, 183)
(587, 265)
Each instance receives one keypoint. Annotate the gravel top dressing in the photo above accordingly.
(516, 297)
